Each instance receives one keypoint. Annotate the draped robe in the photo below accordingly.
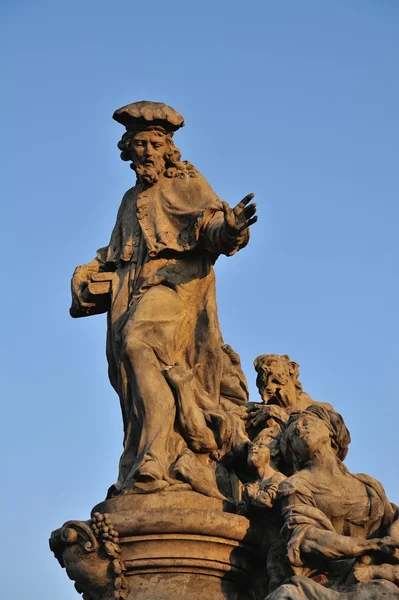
(160, 297)
(309, 504)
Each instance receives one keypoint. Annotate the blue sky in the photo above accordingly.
(295, 101)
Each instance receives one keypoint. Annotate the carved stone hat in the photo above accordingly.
(142, 115)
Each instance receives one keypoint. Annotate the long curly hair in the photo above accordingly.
(262, 368)
(175, 167)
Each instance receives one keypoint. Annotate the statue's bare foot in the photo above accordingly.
(177, 375)
(362, 572)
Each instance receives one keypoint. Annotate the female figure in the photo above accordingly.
(334, 522)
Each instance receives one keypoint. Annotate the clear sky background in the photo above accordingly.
(294, 100)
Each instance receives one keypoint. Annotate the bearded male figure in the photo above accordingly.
(280, 389)
(156, 281)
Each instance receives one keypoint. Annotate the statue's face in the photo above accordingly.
(148, 150)
(308, 434)
(275, 375)
(259, 454)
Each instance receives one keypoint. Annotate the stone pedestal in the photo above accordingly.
(163, 546)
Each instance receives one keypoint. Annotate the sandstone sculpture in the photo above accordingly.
(338, 527)
(156, 280)
(217, 497)
(340, 532)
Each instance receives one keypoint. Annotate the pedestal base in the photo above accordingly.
(164, 546)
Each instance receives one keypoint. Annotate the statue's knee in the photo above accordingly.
(135, 348)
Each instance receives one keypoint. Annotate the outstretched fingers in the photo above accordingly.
(228, 214)
(249, 211)
(241, 205)
(226, 207)
(247, 223)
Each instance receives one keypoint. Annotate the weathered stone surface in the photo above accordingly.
(217, 497)
(171, 545)
(156, 280)
(326, 528)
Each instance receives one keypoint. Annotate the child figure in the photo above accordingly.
(263, 456)
(259, 499)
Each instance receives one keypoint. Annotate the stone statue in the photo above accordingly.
(218, 497)
(339, 527)
(156, 281)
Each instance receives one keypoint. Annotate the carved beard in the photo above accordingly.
(149, 174)
(272, 397)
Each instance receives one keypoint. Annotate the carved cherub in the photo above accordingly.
(259, 499)
(263, 454)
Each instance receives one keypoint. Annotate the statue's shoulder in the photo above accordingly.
(130, 193)
(297, 484)
(128, 197)
(370, 482)
(193, 185)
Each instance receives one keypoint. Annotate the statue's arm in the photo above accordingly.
(91, 288)
(216, 239)
(309, 532)
(227, 230)
(331, 544)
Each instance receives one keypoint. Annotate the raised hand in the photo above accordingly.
(389, 545)
(240, 217)
(258, 414)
